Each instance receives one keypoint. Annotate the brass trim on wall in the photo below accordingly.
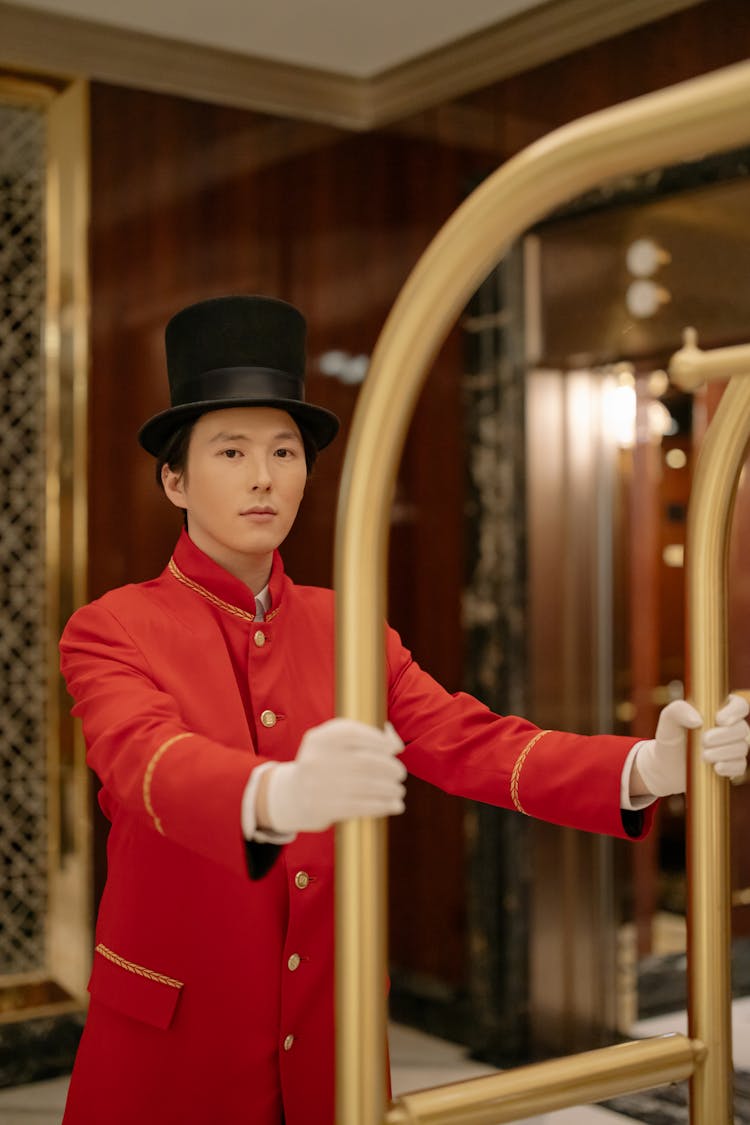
(50, 43)
(60, 984)
(67, 356)
(29, 92)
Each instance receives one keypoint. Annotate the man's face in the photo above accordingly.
(243, 483)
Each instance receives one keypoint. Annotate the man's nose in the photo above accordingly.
(260, 478)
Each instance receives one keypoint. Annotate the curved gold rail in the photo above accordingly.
(685, 121)
(588, 1077)
(709, 522)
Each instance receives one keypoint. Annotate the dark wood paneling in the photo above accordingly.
(190, 201)
(505, 117)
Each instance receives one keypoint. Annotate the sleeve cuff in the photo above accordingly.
(628, 803)
(250, 829)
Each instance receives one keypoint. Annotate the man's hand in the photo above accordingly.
(725, 745)
(660, 766)
(343, 769)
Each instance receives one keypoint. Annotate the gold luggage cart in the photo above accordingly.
(704, 115)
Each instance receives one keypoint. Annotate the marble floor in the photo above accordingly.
(418, 1061)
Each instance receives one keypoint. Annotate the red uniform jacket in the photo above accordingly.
(212, 990)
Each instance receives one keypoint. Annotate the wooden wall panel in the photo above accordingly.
(505, 117)
(191, 201)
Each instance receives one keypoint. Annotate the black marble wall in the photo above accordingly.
(495, 627)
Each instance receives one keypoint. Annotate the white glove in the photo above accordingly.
(725, 745)
(662, 761)
(343, 769)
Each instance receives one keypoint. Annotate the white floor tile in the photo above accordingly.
(23, 1117)
(583, 1115)
(418, 1062)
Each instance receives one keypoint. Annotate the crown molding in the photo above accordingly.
(50, 44)
(528, 40)
(46, 43)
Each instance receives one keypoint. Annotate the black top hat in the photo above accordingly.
(236, 351)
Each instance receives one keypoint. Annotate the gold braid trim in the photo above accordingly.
(139, 970)
(212, 598)
(520, 761)
(148, 775)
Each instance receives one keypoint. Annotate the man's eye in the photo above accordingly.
(231, 453)
(284, 452)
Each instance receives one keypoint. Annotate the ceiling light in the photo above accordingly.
(644, 298)
(644, 257)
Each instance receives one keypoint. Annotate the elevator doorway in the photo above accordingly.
(610, 452)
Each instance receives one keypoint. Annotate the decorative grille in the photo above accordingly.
(23, 672)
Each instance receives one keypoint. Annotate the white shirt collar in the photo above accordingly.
(263, 598)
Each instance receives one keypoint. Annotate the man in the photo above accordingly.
(207, 698)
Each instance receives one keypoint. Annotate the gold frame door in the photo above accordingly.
(58, 985)
(704, 115)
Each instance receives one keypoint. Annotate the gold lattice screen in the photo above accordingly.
(44, 817)
(23, 594)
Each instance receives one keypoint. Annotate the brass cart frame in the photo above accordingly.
(704, 115)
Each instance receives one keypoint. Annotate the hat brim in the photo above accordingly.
(321, 424)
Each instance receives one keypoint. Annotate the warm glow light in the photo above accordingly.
(660, 421)
(349, 369)
(674, 555)
(658, 383)
(676, 458)
(644, 298)
(644, 256)
(619, 415)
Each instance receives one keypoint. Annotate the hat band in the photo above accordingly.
(243, 383)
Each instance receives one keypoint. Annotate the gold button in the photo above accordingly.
(301, 880)
(293, 962)
(259, 638)
(288, 1042)
(268, 718)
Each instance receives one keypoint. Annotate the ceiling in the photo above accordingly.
(353, 64)
(348, 37)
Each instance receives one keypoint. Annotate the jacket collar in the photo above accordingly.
(194, 569)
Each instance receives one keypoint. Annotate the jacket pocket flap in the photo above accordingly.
(133, 989)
